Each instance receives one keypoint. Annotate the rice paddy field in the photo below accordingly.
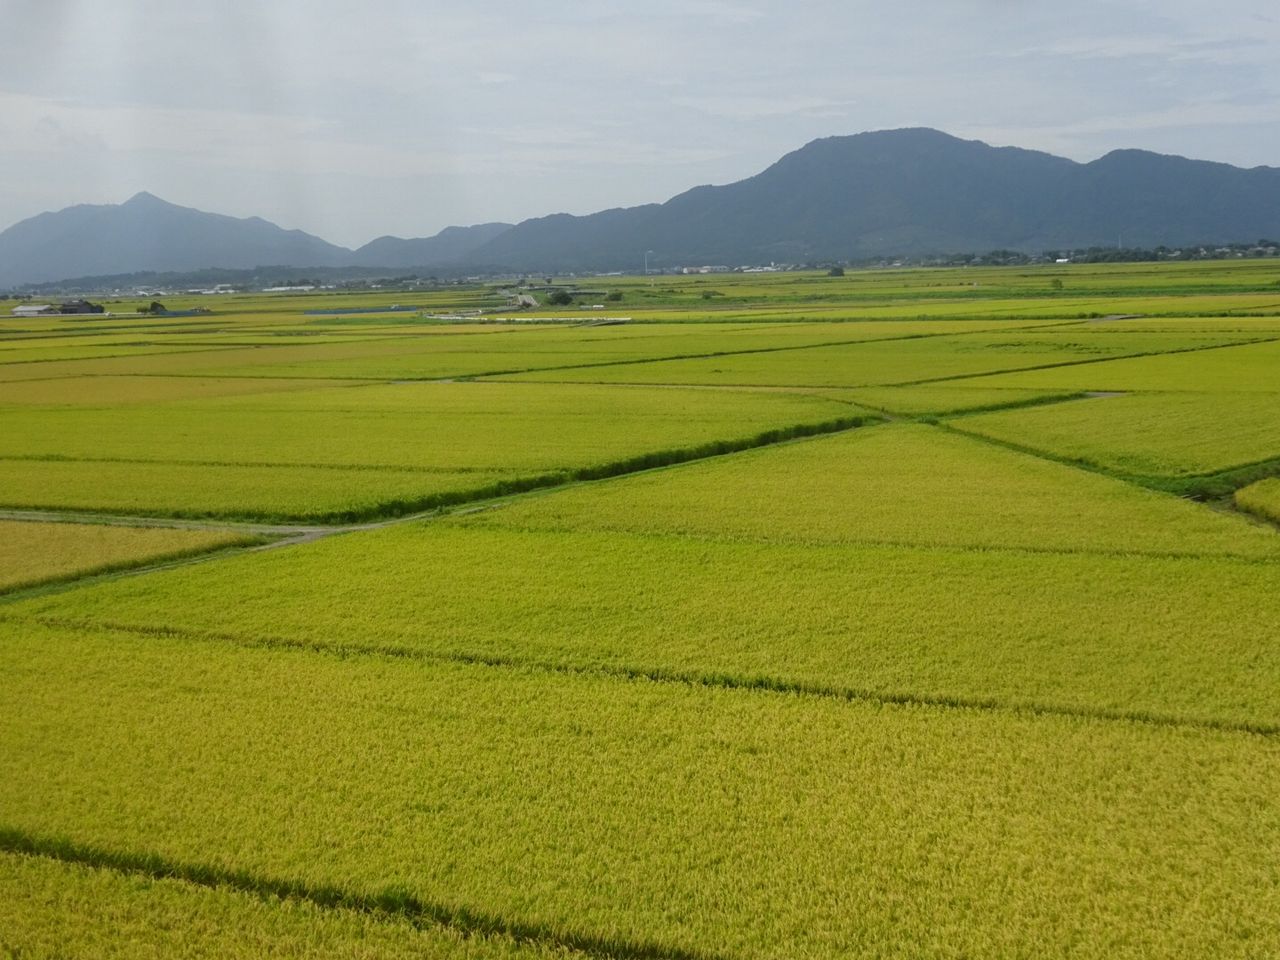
(908, 614)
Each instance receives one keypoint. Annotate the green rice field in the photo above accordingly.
(905, 614)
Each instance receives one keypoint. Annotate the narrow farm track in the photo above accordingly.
(284, 535)
(296, 534)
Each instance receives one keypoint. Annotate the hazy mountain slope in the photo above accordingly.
(893, 192)
(146, 233)
(448, 246)
(910, 192)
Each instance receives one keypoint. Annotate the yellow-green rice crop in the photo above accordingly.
(1261, 498)
(37, 358)
(52, 910)
(1252, 368)
(896, 692)
(163, 362)
(111, 392)
(320, 494)
(942, 399)
(879, 363)
(32, 553)
(641, 818)
(1160, 434)
(442, 429)
(439, 426)
(555, 347)
(894, 484)
(1075, 632)
(451, 354)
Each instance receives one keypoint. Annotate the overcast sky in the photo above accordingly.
(404, 117)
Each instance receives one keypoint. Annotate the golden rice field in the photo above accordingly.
(32, 553)
(908, 614)
(1261, 498)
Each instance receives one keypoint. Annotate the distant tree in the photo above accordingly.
(836, 272)
(1056, 283)
(560, 298)
(614, 296)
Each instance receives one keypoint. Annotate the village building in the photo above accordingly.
(73, 307)
(35, 310)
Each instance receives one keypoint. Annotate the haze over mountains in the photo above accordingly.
(888, 193)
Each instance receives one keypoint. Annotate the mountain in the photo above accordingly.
(909, 192)
(887, 193)
(146, 233)
(448, 246)
(149, 234)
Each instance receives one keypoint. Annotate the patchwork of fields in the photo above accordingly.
(877, 616)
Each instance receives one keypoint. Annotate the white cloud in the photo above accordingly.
(751, 108)
(404, 116)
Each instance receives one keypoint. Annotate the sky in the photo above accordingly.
(397, 117)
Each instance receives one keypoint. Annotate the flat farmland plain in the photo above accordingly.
(345, 452)
(779, 621)
(641, 818)
(925, 360)
(1161, 434)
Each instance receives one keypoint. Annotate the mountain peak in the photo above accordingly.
(141, 198)
(147, 233)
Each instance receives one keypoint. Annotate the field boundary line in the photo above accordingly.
(1080, 363)
(387, 904)
(249, 464)
(1199, 487)
(275, 536)
(631, 673)
(138, 520)
(162, 561)
(409, 508)
(1045, 401)
(875, 386)
(109, 356)
(721, 353)
(459, 520)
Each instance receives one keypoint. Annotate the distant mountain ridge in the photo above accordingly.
(448, 246)
(146, 233)
(903, 192)
(911, 192)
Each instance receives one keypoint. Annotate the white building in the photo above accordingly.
(35, 310)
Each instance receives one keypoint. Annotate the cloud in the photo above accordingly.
(751, 108)
(1165, 48)
(257, 141)
(1125, 129)
(739, 13)
(496, 110)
